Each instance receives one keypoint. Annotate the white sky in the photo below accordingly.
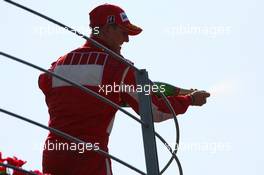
(225, 57)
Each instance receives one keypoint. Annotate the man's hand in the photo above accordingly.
(199, 97)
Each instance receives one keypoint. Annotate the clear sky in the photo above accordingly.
(210, 45)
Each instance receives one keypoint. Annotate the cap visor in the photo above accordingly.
(131, 29)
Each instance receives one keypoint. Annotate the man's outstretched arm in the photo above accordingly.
(161, 112)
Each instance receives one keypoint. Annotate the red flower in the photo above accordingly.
(18, 163)
(15, 161)
(2, 169)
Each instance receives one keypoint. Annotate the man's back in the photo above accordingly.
(69, 106)
(78, 113)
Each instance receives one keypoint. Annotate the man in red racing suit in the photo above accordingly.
(83, 115)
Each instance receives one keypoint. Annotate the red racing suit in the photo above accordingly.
(84, 116)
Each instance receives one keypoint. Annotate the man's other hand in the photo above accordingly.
(199, 97)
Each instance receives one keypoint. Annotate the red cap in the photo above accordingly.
(111, 14)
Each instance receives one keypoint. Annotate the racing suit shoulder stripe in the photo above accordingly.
(101, 59)
(92, 58)
(72, 58)
(85, 58)
(80, 58)
(76, 58)
(124, 75)
(96, 58)
(67, 59)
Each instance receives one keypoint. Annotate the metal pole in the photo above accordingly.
(145, 111)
